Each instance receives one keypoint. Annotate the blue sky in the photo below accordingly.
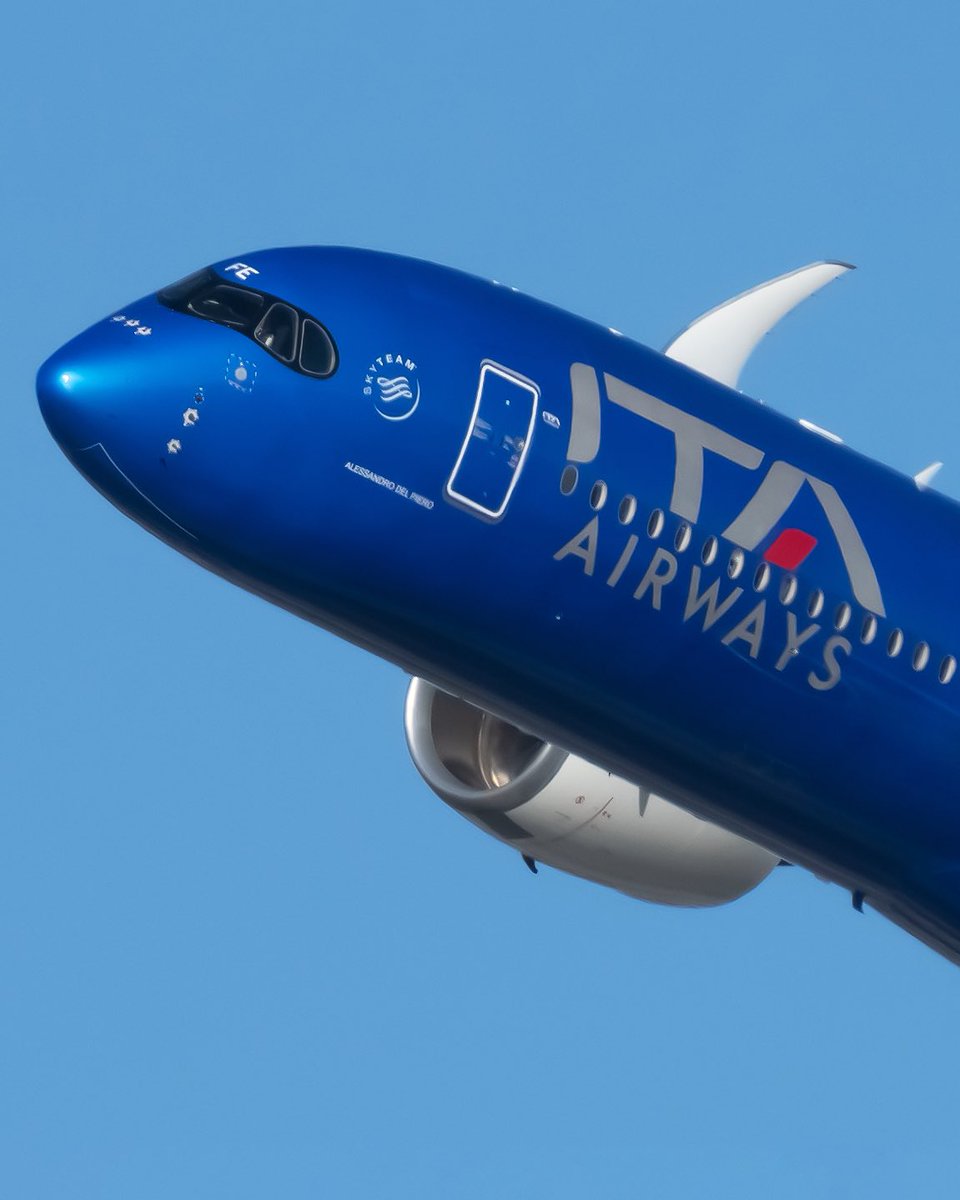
(243, 950)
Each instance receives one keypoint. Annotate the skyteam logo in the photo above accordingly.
(392, 380)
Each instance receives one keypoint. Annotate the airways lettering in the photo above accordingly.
(746, 633)
(708, 599)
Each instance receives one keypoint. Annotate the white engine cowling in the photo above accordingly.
(558, 809)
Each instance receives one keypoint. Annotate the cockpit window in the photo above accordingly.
(278, 331)
(318, 355)
(178, 293)
(227, 305)
(286, 332)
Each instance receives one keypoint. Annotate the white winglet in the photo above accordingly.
(924, 478)
(720, 342)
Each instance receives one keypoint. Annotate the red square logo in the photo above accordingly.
(790, 548)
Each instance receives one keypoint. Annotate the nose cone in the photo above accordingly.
(86, 398)
(67, 393)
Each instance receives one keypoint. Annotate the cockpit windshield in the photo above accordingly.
(289, 334)
(228, 305)
(278, 331)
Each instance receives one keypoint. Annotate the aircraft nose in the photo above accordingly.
(68, 396)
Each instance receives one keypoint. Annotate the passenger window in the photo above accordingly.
(598, 495)
(317, 353)
(788, 589)
(278, 331)
(568, 480)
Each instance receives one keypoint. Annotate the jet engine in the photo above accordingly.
(558, 809)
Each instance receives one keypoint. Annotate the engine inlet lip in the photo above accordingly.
(417, 723)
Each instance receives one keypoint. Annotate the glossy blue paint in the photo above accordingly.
(318, 496)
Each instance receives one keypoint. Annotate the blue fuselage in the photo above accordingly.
(565, 527)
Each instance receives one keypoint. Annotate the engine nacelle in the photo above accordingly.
(558, 809)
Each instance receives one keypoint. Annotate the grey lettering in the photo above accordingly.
(794, 640)
(583, 545)
(771, 501)
(831, 646)
(692, 436)
(653, 579)
(623, 560)
(750, 629)
(708, 599)
(585, 422)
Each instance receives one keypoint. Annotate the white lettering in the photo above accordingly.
(241, 270)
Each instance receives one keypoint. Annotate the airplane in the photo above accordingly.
(660, 635)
